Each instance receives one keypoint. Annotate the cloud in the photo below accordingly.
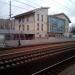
(56, 6)
(73, 19)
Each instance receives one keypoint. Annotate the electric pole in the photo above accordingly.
(10, 9)
(10, 23)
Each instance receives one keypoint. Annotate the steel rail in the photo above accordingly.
(45, 51)
(53, 65)
(33, 48)
(32, 58)
(29, 52)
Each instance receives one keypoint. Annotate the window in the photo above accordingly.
(23, 27)
(13, 28)
(19, 27)
(19, 20)
(39, 36)
(1, 27)
(7, 26)
(42, 27)
(27, 27)
(27, 19)
(7, 37)
(37, 26)
(11, 25)
(37, 17)
(42, 18)
(57, 25)
(23, 20)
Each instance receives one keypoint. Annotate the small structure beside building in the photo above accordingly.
(7, 28)
(6, 31)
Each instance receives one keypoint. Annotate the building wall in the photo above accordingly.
(7, 28)
(4, 24)
(23, 24)
(56, 26)
(41, 33)
(32, 22)
(12, 24)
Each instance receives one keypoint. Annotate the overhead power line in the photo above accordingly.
(62, 5)
(13, 5)
(25, 3)
(72, 2)
(32, 2)
(55, 2)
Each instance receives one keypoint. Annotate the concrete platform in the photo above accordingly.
(69, 71)
(14, 43)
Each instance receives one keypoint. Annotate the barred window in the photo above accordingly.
(27, 27)
(42, 18)
(37, 26)
(37, 17)
(19, 27)
(42, 27)
(23, 27)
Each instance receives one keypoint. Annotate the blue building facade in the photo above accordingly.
(56, 26)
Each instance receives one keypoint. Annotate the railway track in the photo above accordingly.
(31, 49)
(37, 53)
(56, 68)
(31, 56)
(34, 47)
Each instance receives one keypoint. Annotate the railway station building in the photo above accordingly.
(32, 24)
(35, 24)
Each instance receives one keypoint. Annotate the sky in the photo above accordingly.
(21, 6)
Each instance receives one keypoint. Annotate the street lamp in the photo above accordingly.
(19, 43)
(19, 40)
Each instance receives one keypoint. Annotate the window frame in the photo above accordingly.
(37, 17)
(38, 26)
(27, 27)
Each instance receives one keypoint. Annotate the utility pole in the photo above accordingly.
(10, 9)
(10, 23)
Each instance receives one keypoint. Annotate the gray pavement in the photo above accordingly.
(69, 71)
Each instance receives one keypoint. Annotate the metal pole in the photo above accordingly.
(10, 9)
(19, 40)
(10, 18)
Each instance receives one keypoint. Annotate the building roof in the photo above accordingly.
(29, 12)
(24, 14)
(64, 15)
(4, 20)
(55, 17)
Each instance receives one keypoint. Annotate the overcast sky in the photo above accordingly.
(55, 6)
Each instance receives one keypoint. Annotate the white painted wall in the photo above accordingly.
(25, 23)
(33, 23)
(43, 12)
